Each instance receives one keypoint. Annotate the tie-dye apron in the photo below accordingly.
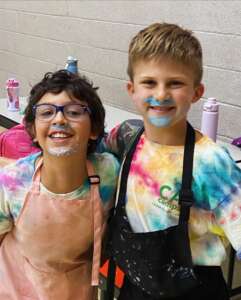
(53, 251)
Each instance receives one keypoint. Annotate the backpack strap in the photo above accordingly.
(110, 280)
(126, 135)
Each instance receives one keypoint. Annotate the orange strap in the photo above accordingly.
(119, 277)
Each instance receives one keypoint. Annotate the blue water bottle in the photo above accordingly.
(72, 65)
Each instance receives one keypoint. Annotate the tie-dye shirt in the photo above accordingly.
(153, 189)
(16, 180)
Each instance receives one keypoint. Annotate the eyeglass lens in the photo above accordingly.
(47, 112)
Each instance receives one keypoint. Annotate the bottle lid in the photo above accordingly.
(211, 105)
(71, 59)
(12, 82)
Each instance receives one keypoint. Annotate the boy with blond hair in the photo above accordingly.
(177, 206)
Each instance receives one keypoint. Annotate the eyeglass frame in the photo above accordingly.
(60, 108)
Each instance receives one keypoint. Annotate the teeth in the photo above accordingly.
(58, 135)
(161, 107)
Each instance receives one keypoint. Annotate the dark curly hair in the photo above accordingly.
(76, 86)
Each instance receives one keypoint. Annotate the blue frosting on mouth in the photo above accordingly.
(159, 121)
(153, 102)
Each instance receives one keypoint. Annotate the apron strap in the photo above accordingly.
(37, 175)
(186, 194)
(94, 181)
(121, 191)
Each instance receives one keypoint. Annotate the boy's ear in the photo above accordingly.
(130, 88)
(199, 90)
(93, 136)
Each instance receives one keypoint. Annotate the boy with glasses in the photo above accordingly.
(54, 204)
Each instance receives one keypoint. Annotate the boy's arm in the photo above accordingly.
(107, 166)
(230, 222)
(228, 212)
(5, 214)
(1, 238)
(5, 226)
(109, 141)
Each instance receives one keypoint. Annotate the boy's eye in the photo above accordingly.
(176, 83)
(46, 112)
(149, 82)
(74, 113)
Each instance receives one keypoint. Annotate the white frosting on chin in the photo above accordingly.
(61, 151)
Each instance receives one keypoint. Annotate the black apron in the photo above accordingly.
(159, 263)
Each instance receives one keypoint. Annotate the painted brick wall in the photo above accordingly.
(37, 36)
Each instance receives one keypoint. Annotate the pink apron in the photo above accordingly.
(53, 251)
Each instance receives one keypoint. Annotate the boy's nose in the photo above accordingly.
(59, 118)
(161, 94)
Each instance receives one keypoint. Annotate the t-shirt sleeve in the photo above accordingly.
(107, 167)
(228, 211)
(5, 215)
(15, 180)
(110, 142)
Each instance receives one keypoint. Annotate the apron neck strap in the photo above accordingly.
(36, 175)
(121, 193)
(94, 181)
(186, 194)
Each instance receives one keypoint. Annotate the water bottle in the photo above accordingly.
(12, 87)
(237, 142)
(72, 65)
(209, 123)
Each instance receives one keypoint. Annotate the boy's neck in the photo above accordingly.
(63, 175)
(169, 136)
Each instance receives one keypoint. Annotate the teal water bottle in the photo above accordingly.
(72, 65)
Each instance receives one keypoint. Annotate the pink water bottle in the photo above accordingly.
(12, 86)
(209, 125)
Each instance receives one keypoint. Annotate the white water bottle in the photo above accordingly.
(209, 125)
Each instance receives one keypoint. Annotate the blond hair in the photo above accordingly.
(166, 40)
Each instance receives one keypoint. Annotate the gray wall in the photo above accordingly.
(37, 36)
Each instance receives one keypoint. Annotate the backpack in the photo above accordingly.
(16, 143)
(237, 142)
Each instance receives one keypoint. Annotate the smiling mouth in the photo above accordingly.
(161, 108)
(59, 135)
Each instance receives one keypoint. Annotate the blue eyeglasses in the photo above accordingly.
(72, 112)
